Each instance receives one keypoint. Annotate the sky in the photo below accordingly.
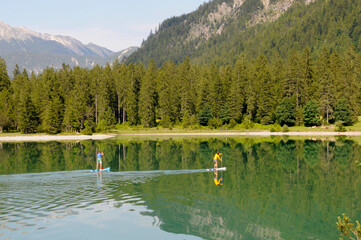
(114, 24)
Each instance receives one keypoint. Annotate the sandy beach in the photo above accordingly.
(41, 138)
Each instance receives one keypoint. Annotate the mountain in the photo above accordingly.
(36, 51)
(220, 30)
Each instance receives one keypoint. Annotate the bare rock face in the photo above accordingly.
(215, 22)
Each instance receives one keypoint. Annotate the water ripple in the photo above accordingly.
(30, 201)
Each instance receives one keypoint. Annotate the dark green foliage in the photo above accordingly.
(87, 130)
(166, 122)
(232, 124)
(326, 89)
(285, 112)
(343, 112)
(148, 97)
(205, 115)
(323, 23)
(215, 123)
(266, 95)
(311, 114)
(4, 77)
(5, 108)
(28, 119)
(225, 114)
(53, 115)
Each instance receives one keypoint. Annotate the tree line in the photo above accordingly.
(300, 90)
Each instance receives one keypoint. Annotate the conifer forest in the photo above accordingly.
(297, 90)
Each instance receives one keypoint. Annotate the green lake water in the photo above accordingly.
(273, 188)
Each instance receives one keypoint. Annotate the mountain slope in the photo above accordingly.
(219, 31)
(36, 51)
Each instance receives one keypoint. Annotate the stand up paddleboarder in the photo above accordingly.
(217, 157)
(99, 160)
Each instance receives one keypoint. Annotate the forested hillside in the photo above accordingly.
(299, 90)
(219, 31)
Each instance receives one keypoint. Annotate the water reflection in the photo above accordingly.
(217, 180)
(100, 180)
(270, 183)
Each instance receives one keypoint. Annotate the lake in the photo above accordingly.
(274, 188)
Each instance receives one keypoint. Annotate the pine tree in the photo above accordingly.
(148, 97)
(217, 90)
(203, 89)
(4, 77)
(307, 77)
(16, 71)
(135, 76)
(311, 113)
(337, 74)
(266, 102)
(343, 112)
(236, 99)
(293, 80)
(120, 73)
(277, 71)
(205, 115)
(28, 120)
(252, 91)
(351, 81)
(187, 83)
(53, 115)
(286, 112)
(78, 105)
(5, 107)
(169, 94)
(325, 86)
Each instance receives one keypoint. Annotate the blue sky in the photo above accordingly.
(113, 24)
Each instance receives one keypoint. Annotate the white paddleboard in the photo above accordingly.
(217, 169)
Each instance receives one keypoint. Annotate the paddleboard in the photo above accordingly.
(102, 170)
(217, 169)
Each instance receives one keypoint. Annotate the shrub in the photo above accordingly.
(215, 123)
(87, 130)
(247, 123)
(340, 127)
(276, 128)
(285, 128)
(166, 122)
(232, 123)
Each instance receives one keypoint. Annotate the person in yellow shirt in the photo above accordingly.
(217, 181)
(217, 157)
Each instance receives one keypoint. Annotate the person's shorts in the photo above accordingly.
(214, 160)
(99, 160)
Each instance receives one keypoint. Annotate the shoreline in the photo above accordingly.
(46, 138)
(42, 138)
